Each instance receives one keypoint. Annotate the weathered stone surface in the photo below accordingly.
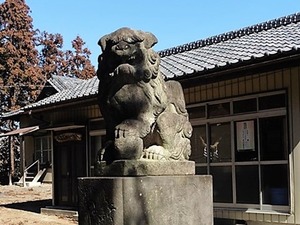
(151, 200)
(147, 180)
(149, 168)
(145, 115)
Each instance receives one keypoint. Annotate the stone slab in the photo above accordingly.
(149, 200)
(52, 211)
(148, 168)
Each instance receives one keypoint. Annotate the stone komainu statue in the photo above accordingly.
(145, 116)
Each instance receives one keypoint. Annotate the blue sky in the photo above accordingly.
(173, 22)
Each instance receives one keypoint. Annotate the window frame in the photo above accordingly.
(96, 129)
(41, 151)
(232, 119)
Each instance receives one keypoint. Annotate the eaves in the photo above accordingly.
(74, 102)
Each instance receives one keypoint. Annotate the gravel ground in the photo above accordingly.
(21, 205)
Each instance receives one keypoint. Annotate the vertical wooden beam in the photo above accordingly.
(23, 160)
(9, 161)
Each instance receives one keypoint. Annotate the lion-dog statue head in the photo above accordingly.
(145, 116)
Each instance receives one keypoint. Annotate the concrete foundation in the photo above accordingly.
(146, 200)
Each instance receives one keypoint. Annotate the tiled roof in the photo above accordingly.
(262, 40)
(83, 88)
(61, 83)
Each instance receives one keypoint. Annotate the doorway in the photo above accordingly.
(69, 164)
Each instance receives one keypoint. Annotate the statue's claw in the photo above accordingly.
(156, 152)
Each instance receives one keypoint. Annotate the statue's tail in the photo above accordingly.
(176, 96)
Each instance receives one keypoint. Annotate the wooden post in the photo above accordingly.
(11, 160)
(23, 160)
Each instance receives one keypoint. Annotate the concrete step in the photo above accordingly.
(61, 212)
(28, 184)
(31, 179)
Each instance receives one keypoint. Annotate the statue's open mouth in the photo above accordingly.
(123, 69)
(125, 66)
(131, 59)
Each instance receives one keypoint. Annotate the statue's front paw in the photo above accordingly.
(124, 69)
(128, 147)
(125, 129)
(156, 152)
(128, 143)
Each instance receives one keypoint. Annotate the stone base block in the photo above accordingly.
(149, 200)
(133, 168)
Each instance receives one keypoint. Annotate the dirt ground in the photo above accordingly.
(21, 206)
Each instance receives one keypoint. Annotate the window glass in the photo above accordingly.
(43, 149)
(97, 125)
(243, 106)
(256, 142)
(201, 170)
(247, 184)
(196, 112)
(222, 180)
(272, 101)
(245, 141)
(45, 144)
(97, 143)
(273, 138)
(38, 144)
(220, 142)
(49, 142)
(45, 157)
(275, 184)
(198, 144)
(218, 110)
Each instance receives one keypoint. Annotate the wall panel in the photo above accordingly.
(275, 80)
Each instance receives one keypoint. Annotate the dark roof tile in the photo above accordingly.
(258, 41)
(63, 82)
(81, 88)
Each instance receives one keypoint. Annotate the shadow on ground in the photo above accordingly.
(30, 206)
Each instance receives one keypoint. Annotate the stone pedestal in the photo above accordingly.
(121, 168)
(146, 200)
